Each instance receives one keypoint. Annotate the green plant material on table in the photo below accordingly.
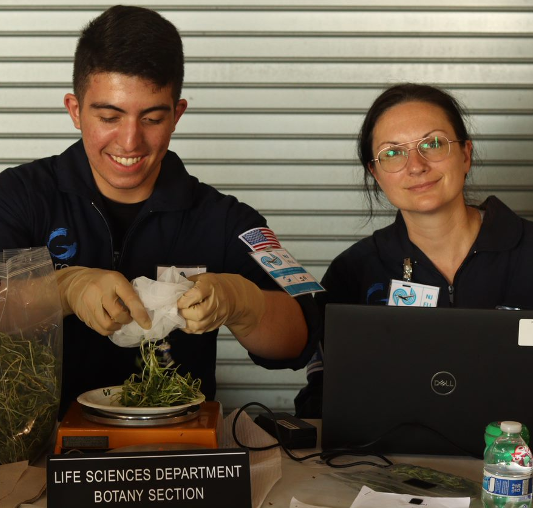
(29, 397)
(158, 385)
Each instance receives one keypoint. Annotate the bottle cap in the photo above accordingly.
(511, 427)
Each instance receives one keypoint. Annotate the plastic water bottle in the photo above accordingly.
(507, 470)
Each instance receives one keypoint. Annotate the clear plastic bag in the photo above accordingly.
(31, 344)
(415, 480)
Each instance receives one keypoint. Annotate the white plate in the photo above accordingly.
(106, 399)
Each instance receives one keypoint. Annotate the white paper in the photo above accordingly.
(298, 504)
(525, 332)
(368, 498)
(9, 476)
(20, 483)
(265, 466)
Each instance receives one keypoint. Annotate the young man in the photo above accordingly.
(117, 204)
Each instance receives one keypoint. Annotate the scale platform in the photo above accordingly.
(87, 430)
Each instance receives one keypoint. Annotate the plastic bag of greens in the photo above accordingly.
(31, 332)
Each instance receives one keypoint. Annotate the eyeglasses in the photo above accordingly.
(394, 158)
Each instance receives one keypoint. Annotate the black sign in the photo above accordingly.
(197, 478)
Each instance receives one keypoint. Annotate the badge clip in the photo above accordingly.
(407, 270)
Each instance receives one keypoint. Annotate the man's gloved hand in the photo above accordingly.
(102, 299)
(222, 299)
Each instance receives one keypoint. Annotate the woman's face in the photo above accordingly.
(421, 186)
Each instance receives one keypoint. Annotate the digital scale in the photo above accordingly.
(85, 429)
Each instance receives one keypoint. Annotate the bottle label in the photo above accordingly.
(501, 486)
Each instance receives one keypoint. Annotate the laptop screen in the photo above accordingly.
(423, 380)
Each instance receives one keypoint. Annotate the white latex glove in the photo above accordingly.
(104, 300)
(222, 299)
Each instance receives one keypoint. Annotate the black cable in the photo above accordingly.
(426, 427)
(327, 456)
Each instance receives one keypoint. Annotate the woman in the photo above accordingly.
(415, 149)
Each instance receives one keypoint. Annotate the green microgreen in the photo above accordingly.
(29, 397)
(158, 384)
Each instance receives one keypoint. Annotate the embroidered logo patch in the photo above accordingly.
(59, 246)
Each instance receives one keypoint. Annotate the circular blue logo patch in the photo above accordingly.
(58, 245)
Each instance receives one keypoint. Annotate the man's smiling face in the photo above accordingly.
(126, 124)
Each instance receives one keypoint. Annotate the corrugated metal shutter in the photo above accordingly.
(276, 93)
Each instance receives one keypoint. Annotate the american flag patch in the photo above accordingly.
(260, 239)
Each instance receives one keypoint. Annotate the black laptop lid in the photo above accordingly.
(422, 380)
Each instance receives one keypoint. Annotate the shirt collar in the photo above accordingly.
(501, 230)
(174, 188)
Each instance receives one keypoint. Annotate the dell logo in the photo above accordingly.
(443, 383)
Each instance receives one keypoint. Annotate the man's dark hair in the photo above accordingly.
(133, 41)
(399, 94)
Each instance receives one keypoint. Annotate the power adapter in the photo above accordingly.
(295, 433)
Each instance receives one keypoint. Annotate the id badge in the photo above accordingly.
(410, 294)
(267, 252)
(287, 272)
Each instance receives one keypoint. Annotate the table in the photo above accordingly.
(312, 482)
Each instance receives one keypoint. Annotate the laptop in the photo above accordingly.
(423, 380)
